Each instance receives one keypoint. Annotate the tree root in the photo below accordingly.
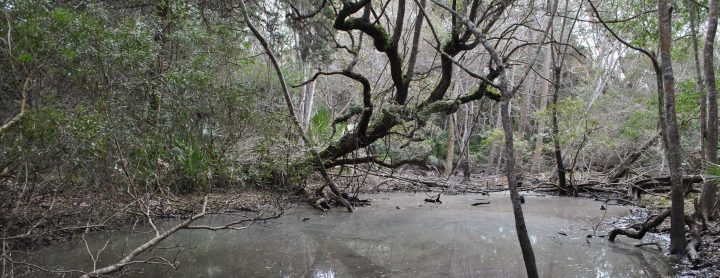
(324, 200)
(638, 231)
(695, 239)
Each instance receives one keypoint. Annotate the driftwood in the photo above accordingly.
(638, 231)
(660, 185)
(426, 182)
(665, 181)
(130, 258)
(434, 200)
(635, 189)
(324, 200)
(695, 239)
(649, 244)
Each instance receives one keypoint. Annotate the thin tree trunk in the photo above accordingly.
(702, 99)
(450, 156)
(677, 214)
(525, 107)
(164, 13)
(529, 84)
(467, 130)
(493, 166)
(308, 102)
(523, 238)
(291, 109)
(507, 94)
(557, 75)
(709, 192)
(544, 91)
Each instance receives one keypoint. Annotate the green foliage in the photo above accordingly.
(320, 124)
(634, 127)
(570, 112)
(713, 171)
(195, 163)
(687, 105)
(481, 146)
(91, 122)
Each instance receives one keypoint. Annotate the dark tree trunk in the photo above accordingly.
(677, 214)
(562, 180)
(523, 238)
(708, 196)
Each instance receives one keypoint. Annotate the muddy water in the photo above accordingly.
(419, 239)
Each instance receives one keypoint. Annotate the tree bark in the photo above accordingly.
(709, 192)
(677, 214)
(434, 103)
(658, 76)
(525, 108)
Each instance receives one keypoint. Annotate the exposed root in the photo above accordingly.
(638, 231)
(324, 200)
(695, 239)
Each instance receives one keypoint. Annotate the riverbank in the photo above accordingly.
(86, 213)
(400, 235)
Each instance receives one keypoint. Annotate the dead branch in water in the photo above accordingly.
(160, 235)
(638, 231)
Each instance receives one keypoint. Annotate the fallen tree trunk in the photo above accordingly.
(665, 181)
(638, 231)
(635, 189)
(621, 170)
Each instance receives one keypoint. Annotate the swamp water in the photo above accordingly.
(453, 239)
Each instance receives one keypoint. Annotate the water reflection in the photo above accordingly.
(450, 240)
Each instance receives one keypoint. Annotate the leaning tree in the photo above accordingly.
(418, 85)
(454, 38)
